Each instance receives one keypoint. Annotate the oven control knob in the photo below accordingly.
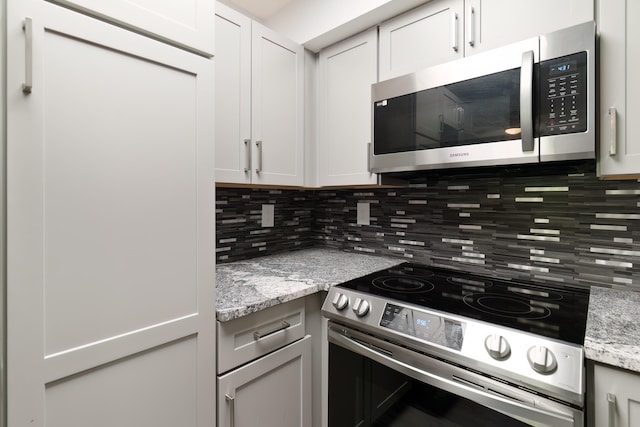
(340, 301)
(360, 307)
(497, 346)
(542, 360)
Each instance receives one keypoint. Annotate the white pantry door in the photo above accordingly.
(110, 227)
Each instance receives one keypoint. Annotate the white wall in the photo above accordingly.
(319, 23)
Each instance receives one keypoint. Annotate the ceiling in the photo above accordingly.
(263, 9)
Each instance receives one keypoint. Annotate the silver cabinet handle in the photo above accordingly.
(526, 101)
(613, 131)
(454, 32)
(471, 26)
(259, 146)
(27, 26)
(232, 409)
(611, 399)
(284, 325)
(247, 157)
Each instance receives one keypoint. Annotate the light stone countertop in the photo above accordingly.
(613, 328)
(244, 287)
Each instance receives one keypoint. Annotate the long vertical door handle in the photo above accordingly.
(471, 26)
(454, 32)
(247, 157)
(526, 101)
(259, 146)
(27, 26)
(232, 409)
(613, 131)
(611, 401)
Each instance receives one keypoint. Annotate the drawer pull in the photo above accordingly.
(611, 400)
(257, 334)
(232, 409)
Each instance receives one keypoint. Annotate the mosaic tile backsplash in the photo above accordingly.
(558, 223)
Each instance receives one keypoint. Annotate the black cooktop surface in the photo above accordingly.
(553, 311)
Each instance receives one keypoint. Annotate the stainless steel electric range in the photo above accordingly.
(418, 345)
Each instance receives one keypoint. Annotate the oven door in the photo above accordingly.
(376, 383)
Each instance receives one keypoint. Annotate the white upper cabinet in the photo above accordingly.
(186, 23)
(277, 108)
(233, 96)
(259, 103)
(426, 36)
(346, 72)
(443, 30)
(619, 88)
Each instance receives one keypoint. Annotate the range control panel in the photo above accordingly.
(563, 95)
(423, 325)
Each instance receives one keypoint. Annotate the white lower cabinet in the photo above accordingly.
(265, 370)
(272, 391)
(616, 397)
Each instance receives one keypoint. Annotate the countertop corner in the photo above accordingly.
(613, 328)
(245, 287)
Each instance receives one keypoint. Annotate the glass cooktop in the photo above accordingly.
(554, 311)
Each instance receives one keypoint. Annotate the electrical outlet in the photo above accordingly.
(364, 214)
(268, 214)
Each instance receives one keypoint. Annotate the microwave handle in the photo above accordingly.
(526, 101)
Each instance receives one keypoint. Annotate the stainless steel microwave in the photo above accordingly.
(528, 102)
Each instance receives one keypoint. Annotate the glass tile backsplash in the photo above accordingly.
(556, 223)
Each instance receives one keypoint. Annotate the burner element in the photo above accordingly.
(506, 306)
(403, 284)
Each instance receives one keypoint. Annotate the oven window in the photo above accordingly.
(365, 393)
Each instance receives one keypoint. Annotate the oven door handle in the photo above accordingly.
(502, 403)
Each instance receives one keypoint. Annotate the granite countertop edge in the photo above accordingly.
(225, 315)
(249, 286)
(613, 328)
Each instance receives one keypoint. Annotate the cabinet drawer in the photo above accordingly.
(247, 338)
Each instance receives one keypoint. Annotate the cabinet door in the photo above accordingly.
(273, 391)
(233, 96)
(277, 108)
(346, 72)
(619, 88)
(494, 23)
(426, 36)
(187, 23)
(616, 397)
(110, 226)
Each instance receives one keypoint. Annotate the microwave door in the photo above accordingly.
(464, 113)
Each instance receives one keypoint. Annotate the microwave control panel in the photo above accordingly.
(563, 95)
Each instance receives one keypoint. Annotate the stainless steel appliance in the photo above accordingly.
(527, 102)
(418, 345)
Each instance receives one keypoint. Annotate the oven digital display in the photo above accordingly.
(425, 326)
